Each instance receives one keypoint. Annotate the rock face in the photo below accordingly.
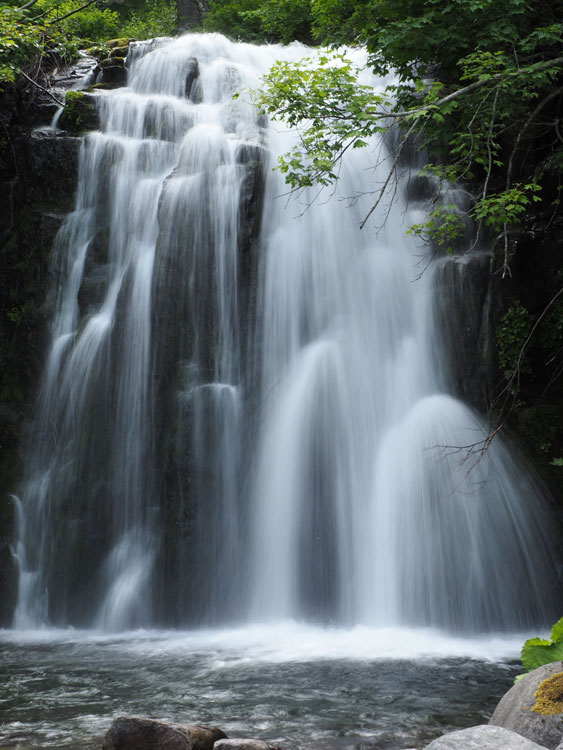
(132, 733)
(483, 737)
(38, 172)
(516, 709)
(464, 326)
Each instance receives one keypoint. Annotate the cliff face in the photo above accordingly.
(38, 177)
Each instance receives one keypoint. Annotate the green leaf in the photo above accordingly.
(535, 655)
(557, 629)
(538, 651)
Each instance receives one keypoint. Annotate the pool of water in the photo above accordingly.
(293, 685)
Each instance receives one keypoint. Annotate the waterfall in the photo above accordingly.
(245, 412)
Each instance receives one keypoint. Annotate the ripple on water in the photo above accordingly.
(301, 686)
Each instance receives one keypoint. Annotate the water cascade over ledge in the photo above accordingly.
(244, 414)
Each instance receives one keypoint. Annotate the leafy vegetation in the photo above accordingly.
(512, 334)
(539, 651)
(265, 21)
(458, 66)
(38, 28)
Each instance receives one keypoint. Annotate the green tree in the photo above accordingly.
(262, 21)
(479, 83)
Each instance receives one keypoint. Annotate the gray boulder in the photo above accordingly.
(483, 737)
(526, 710)
(133, 733)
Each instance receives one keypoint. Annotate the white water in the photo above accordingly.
(243, 419)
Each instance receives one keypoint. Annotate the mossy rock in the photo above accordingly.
(112, 62)
(80, 113)
(121, 42)
(100, 51)
(119, 52)
(549, 696)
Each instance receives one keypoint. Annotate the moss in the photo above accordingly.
(122, 42)
(549, 696)
(80, 112)
(119, 52)
(99, 51)
(112, 62)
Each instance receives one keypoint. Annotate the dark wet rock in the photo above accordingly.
(114, 75)
(133, 733)
(463, 325)
(8, 585)
(191, 78)
(421, 187)
(483, 737)
(519, 710)
(48, 153)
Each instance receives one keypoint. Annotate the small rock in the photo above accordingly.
(516, 709)
(134, 733)
(483, 737)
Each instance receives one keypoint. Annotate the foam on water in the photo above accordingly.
(287, 642)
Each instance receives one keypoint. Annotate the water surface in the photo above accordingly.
(297, 686)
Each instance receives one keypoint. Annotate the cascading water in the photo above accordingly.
(243, 414)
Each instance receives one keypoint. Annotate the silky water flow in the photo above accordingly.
(244, 414)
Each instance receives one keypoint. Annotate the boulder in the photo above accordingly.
(80, 112)
(134, 733)
(241, 744)
(532, 707)
(483, 737)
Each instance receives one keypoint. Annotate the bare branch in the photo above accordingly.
(44, 90)
(72, 12)
(390, 175)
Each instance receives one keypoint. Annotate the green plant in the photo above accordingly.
(157, 18)
(538, 651)
(264, 21)
(455, 92)
(512, 332)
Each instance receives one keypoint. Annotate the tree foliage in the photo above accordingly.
(262, 21)
(37, 28)
(479, 82)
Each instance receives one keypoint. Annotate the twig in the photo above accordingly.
(390, 175)
(44, 90)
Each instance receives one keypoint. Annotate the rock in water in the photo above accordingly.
(530, 709)
(483, 737)
(133, 733)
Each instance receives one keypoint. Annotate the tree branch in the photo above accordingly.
(389, 176)
(44, 90)
(72, 12)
